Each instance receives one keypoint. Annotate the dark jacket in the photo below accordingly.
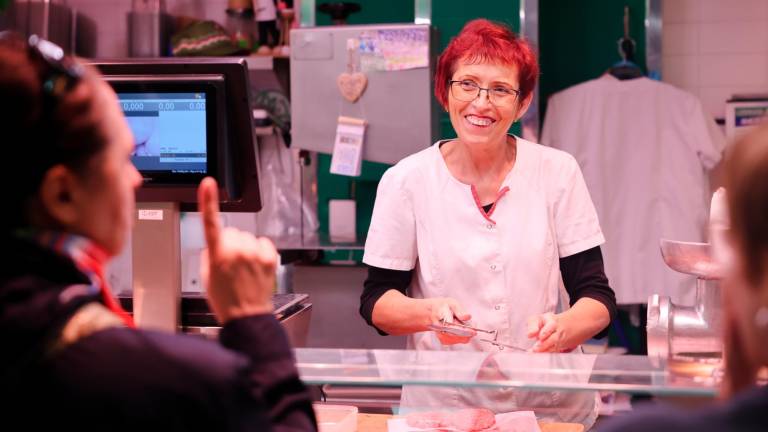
(118, 378)
(747, 412)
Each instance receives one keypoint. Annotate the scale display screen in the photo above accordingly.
(169, 131)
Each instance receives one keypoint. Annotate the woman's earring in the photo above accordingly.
(761, 317)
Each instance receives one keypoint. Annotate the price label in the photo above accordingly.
(348, 148)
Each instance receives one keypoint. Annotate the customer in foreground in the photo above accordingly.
(744, 405)
(72, 357)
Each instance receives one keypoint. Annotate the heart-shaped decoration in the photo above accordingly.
(352, 85)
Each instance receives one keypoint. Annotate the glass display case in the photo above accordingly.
(626, 373)
(557, 387)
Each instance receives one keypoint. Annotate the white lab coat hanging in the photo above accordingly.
(645, 148)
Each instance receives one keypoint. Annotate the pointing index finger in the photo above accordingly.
(208, 206)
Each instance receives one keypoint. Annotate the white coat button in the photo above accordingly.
(489, 226)
(493, 266)
(497, 307)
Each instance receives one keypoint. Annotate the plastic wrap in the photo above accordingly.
(286, 211)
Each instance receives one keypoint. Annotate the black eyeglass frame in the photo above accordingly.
(479, 90)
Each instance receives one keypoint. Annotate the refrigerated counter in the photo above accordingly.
(388, 370)
(531, 371)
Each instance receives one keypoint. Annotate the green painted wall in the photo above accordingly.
(577, 40)
(374, 12)
(332, 186)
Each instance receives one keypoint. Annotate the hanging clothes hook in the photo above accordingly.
(626, 68)
(626, 22)
(626, 43)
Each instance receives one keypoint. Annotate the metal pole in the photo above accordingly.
(529, 30)
(307, 13)
(653, 32)
(157, 266)
(423, 11)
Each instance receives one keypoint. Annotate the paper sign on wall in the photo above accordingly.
(394, 50)
(348, 148)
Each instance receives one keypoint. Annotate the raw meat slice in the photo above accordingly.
(472, 419)
(427, 420)
(464, 420)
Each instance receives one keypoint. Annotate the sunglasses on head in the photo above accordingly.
(60, 73)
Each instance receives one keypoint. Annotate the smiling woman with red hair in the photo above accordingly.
(482, 41)
(487, 227)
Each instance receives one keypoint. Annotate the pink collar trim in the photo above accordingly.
(479, 205)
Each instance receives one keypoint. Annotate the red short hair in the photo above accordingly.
(484, 41)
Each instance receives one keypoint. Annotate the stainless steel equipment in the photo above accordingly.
(148, 27)
(688, 333)
(292, 310)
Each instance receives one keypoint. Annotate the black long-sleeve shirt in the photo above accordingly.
(583, 276)
(126, 379)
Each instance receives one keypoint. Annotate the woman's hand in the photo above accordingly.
(549, 332)
(398, 314)
(565, 331)
(237, 269)
(447, 310)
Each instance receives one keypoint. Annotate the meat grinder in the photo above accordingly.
(688, 332)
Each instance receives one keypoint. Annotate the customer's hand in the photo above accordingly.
(237, 269)
(549, 332)
(446, 309)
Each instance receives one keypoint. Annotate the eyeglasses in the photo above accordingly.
(468, 90)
